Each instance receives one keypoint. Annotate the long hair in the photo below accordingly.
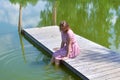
(64, 24)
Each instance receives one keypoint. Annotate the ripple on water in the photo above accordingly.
(6, 54)
(14, 61)
(36, 66)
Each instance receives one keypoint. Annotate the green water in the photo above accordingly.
(19, 59)
(96, 20)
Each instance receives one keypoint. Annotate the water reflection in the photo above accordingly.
(31, 14)
(97, 20)
(15, 50)
(40, 57)
(22, 47)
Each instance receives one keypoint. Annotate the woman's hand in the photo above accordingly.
(55, 49)
(64, 58)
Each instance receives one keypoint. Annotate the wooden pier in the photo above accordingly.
(95, 62)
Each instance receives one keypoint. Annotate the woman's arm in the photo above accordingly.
(68, 47)
(62, 44)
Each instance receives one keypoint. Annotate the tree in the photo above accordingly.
(88, 18)
(22, 3)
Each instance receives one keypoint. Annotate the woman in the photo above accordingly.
(69, 47)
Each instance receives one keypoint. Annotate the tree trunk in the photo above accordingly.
(20, 19)
(54, 13)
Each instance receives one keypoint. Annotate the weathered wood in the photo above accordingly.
(95, 62)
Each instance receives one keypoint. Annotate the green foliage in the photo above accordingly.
(24, 2)
(88, 18)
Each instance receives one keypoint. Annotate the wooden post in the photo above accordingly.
(20, 19)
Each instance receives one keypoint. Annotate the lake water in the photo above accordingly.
(19, 59)
(95, 20)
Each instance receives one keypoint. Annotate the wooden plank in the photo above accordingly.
(96, 69)
(28, 33)
(94, 57)
(114, 76)
(105, 73)
(95, 62)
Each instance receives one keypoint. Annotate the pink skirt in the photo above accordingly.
(74, 51)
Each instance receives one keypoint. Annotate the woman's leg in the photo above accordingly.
(52, 60)
(57, 62)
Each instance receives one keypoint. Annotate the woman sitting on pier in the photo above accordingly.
(69, 47)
